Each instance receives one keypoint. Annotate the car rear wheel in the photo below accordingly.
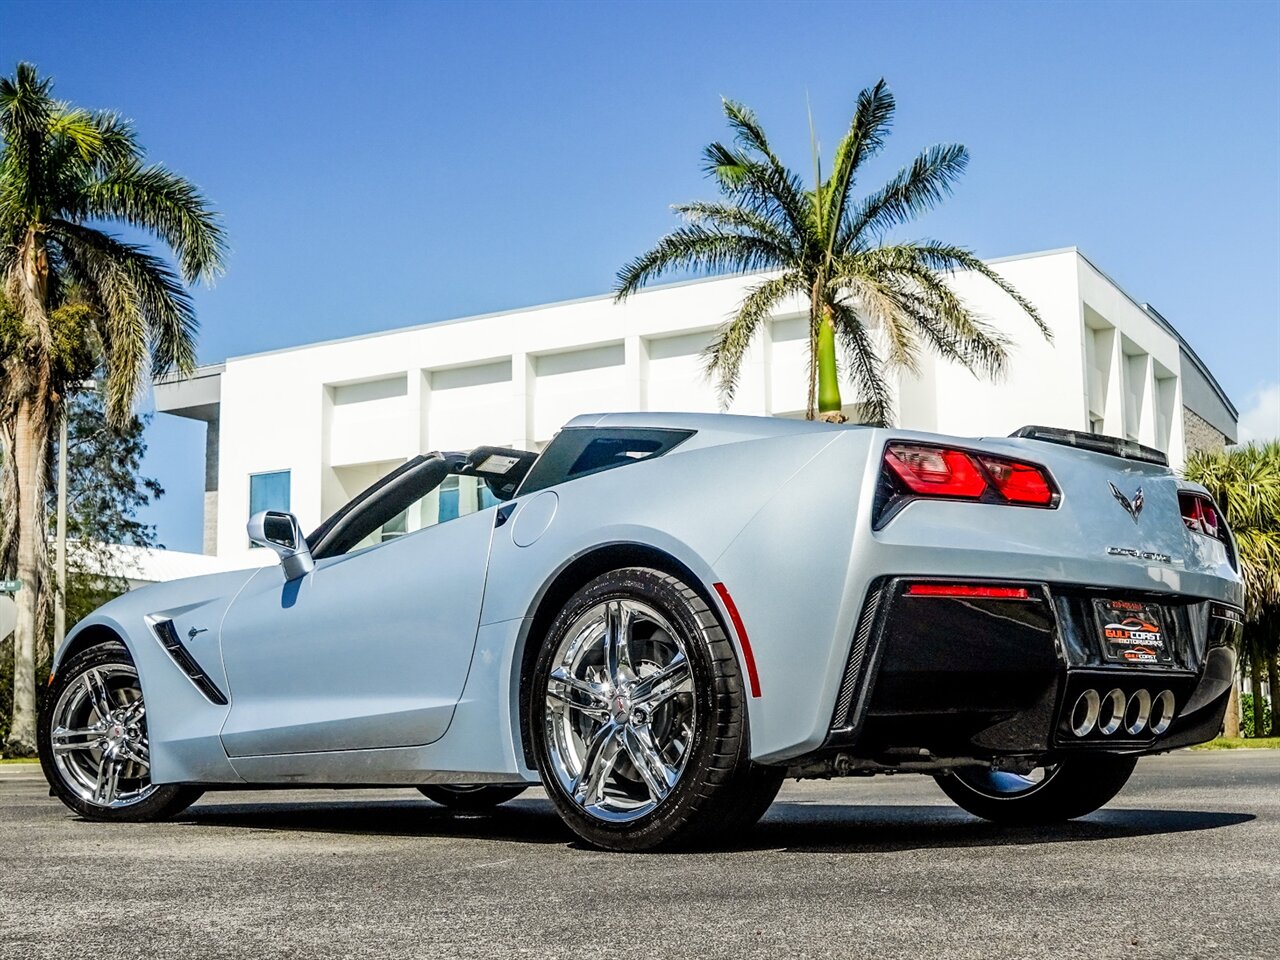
(639, 717)
(471, 797)
(1070, 788)
(93, 741)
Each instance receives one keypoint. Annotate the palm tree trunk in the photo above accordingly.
(811, 399)
(1273, 685)
(830, 407)
(1255, 683)
(1231, 721)
(30, 442)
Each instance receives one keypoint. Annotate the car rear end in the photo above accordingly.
(1033, 596)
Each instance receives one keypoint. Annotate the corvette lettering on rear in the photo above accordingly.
(1139, 554)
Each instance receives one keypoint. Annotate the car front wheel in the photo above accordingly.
(1072, 787)
(93, 741)
(640, 721)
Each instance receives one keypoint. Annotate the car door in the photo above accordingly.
(372, 647)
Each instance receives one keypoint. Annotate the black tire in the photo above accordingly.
(1076, 786)
(154, 802)
(471, 799)
(719, 791)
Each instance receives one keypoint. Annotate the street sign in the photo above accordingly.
(10, 586)
(8, 616)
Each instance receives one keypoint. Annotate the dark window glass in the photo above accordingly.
(581, 451)
(605, 452)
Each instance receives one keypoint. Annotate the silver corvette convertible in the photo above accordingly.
(661, 617)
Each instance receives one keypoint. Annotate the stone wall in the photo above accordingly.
(1199, 434)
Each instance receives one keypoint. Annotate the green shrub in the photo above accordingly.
(1246, 725)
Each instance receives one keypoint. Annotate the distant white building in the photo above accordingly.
(306, 428)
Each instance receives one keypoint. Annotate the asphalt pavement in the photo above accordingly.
(1185, 863)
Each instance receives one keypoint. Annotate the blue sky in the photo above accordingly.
(381, 164)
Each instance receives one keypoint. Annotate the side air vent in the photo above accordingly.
(167, 634)
(843, 718)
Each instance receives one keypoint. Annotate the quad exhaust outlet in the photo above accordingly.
(1106, 713)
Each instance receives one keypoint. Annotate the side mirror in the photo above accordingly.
(280, 532)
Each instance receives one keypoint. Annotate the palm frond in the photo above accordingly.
(122, 328)
(723, 357)
(25, 105)
(76, 127)
(878, 306)
(975, 345)
(699, 250)
(747, 130)
(728, 217)
(913, 191)
(863, 140)
(946, 258)
(922, 290)
(146, 308)
(166, 204)
(765, 187)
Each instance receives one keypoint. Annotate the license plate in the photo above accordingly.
(1132, 632)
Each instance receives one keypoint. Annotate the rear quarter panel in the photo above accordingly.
(690, 505)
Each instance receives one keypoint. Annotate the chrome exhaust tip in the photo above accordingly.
(1084, 715)
(1137, 712)
(1162, 711)
(1112, 713)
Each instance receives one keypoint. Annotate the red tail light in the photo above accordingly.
(1201, 515)
(1019, 482)
(968, 591)
(929, 471)
(935, 472)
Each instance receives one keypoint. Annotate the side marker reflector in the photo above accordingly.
(748, 657)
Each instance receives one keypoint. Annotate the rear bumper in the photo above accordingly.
(932, 677)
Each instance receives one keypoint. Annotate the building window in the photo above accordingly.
(450, 495)
(397, 526)
(269, 491)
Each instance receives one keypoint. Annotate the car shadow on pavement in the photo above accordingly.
(793, 827)
(841, 828)
(522, 821)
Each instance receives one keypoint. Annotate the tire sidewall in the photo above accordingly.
(715, 702)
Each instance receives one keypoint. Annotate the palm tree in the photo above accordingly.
(824, 247)
(1245, 482)
(77, 295)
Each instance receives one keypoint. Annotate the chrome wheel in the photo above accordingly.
(1004, 785)
(620, 710)
(98, 738)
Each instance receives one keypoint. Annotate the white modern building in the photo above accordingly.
(306, 428)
